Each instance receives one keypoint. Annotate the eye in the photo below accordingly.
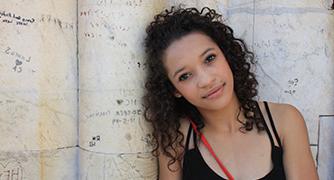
(184, 76)
(210, 58)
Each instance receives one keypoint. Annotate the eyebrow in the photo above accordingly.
(179, 70)
(202, 54)
(207, 50)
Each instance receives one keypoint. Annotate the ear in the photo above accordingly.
(177, 94)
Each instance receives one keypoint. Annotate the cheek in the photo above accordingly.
(177, 87)
(227, 73)
(230, 75)
(181, 88)
(186, 89)
(231, 81)
(228, 70)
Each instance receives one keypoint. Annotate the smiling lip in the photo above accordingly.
(215, 92)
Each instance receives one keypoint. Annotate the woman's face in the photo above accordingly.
(199, 71)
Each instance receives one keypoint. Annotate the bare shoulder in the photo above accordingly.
(173, 171)
(288, 119)
(284, 109)
(297, 157)
(286, 114)
(184, 126)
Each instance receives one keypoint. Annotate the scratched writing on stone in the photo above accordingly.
(99, 114)
(124, 92)
(133, 64)
(19, 59)
(125, 120)
(126, 102)
(94, 140)
(122, 112)
(127, 2)
(92, 12)
(101, 29)
(10, 17)
(292, 84)
(48, 18)
(128, 112)
(11, 171)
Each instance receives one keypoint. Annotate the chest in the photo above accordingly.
(245, 155)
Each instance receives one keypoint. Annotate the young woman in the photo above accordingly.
(200, 100)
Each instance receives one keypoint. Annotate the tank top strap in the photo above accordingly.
(188, 138)
(272, 124)
(265, 125)
(195, 139)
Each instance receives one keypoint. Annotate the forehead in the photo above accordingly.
(192, 42)
(187, 47)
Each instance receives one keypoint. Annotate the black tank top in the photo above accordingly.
(195, 168)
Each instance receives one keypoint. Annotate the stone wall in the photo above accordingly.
(71, 81)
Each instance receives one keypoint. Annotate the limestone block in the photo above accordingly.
(290, 68)
(120, 166)
(38, 85)
(37, 75)
(326, 148)
(43, 165)
(111, 77)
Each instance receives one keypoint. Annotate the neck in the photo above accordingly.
(224, 120)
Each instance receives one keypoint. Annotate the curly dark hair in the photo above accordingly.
(161, 108)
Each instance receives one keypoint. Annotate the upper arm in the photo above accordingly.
(174, 171)
(297, 157)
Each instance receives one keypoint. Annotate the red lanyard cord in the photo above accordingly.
(207, 145)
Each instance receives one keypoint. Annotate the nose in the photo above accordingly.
(205, 79)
